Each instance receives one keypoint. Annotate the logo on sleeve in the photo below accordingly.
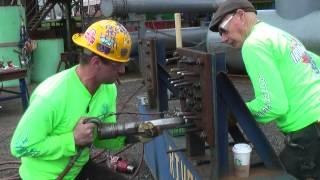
(300, 54)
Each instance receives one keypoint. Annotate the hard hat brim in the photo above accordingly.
(79, 40)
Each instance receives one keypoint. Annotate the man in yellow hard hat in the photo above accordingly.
(52, 130)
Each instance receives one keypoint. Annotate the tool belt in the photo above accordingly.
(308, 133)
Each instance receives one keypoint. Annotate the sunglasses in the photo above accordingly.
(116, 65)
(222, 28)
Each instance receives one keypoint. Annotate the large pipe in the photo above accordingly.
(191, 36)
(290, 9)
(304, 28)
(123, 7)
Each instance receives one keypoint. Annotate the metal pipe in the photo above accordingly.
(191, 36)
(134, 128)
(68, 24)
(289, 9)
(123, 7)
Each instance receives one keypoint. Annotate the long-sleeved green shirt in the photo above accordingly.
(44, 137)
(285, 78)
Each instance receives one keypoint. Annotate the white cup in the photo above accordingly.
(241, 159)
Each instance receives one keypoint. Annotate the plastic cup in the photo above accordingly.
(241, 157)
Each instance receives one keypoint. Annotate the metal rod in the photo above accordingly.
(189, 74)
(131, 128)
(178, 81)
(191, 117)
(183, 84)
(173, 79)
(172, 60)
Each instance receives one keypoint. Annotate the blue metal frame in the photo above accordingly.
(225, 98)
(155, 153)
(157, 157)
(234, 102)
(23, 94)
(220, 124)
(163, 82)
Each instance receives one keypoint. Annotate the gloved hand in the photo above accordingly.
(83, 132)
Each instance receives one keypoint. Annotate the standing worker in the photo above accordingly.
(286, 82)
(52, 130)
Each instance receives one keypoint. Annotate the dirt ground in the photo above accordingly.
(11, 112)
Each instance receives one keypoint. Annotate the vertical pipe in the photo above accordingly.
(177, 20)
(82, 15)
(68, 24)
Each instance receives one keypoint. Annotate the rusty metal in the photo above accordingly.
(189, 74)
(198, 97)
(183, 84)
(148, 67)
(10, 74)
(193, 78)
(173, 59)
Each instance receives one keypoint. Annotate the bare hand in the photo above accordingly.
(83, 133)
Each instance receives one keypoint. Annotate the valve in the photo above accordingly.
(118, 164)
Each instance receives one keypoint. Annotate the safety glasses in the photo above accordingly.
(115, 65)
(223, 26)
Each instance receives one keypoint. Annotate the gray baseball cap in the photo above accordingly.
(227, 7)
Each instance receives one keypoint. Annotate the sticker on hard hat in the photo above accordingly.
(103, 48)
(110, 31)
(104, 40)
(90, 36)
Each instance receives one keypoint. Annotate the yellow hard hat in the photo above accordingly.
(106, 38)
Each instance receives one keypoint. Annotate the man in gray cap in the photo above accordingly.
(286, 81)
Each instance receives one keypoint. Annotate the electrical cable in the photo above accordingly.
(140, 163)
(10, 168)
(14, 177)
(70, 164)
(10, 162)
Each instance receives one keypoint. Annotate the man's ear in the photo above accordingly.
(241, 13)
(95, 61)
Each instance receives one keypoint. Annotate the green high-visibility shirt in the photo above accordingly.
(44, 137)
(285, 77)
